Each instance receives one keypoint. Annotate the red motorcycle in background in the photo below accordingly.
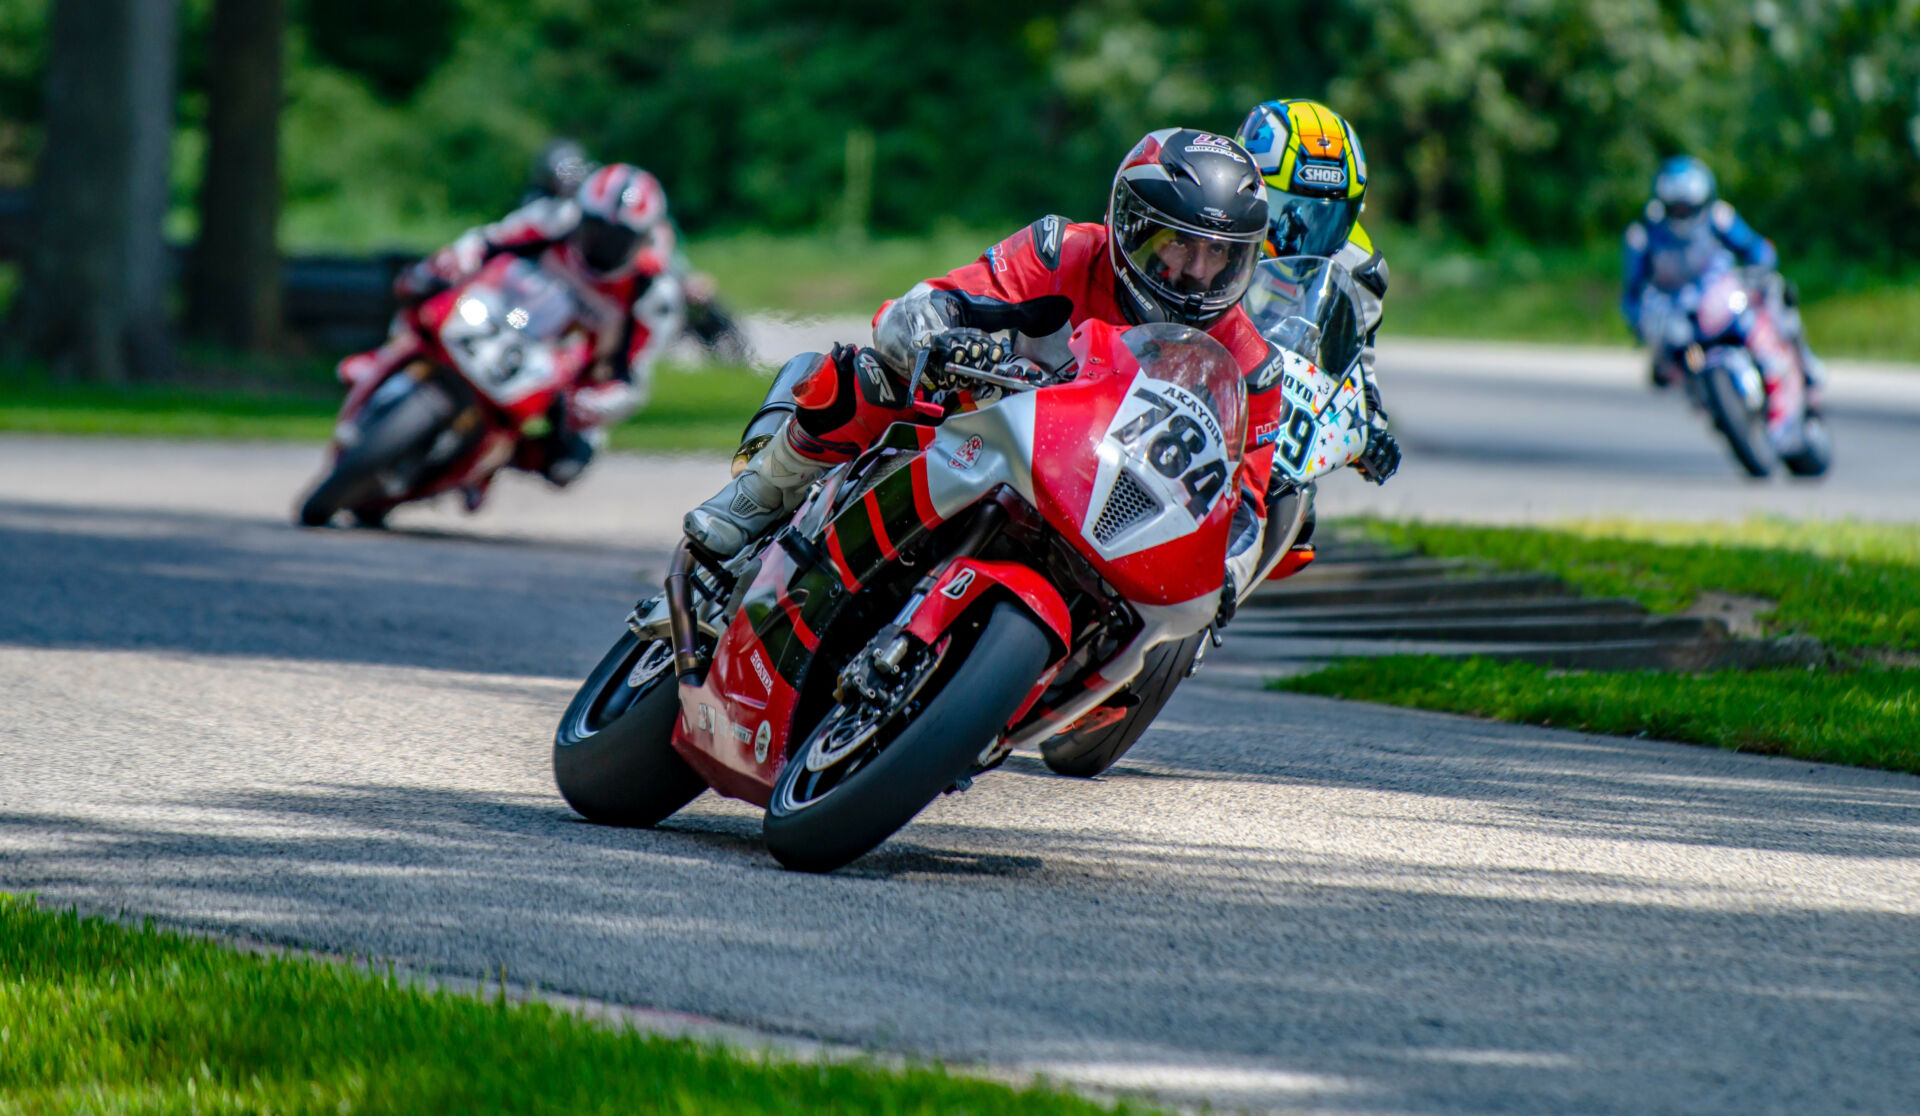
(443, 406)
(952, 594)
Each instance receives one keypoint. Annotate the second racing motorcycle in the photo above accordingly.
(954, 593)
(444, 404)
(1306, 306)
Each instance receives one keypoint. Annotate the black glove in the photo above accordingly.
(1381, 459)
(974, 348)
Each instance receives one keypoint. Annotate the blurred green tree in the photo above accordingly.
(93, 298)
(233, 281)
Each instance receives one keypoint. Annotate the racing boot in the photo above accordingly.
(768, 488)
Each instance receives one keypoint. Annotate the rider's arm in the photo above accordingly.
(528, 229)
(1634, 271)
(1748, 246)
(1021, 267)
(658, 315)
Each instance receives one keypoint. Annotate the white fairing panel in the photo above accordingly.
(490, 349)
(1324, 424)
(1163, 468)
(973, 452)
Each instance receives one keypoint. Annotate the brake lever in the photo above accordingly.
(1033, 375)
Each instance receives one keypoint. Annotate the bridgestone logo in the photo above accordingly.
(1323, 176)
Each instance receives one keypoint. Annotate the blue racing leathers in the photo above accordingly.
(1665, 257)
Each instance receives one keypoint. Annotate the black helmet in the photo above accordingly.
(560, 168)
(1184, 227)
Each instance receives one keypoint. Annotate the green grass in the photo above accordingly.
(98, 1017)
(1855, 586)
(1868, 717)
(1850, 584)
(820, 273)
(693, 409)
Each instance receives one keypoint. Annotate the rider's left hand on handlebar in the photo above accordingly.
(1381, 459)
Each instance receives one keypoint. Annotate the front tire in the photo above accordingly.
(613, 756)
(1084, 754)
(809, 829)
(411, 422)
(1745, 431)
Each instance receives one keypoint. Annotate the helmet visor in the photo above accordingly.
(1300, 226)
(604, 245)
(1195, 275)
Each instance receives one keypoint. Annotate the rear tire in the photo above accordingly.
(355, 478)
(613, 756)
(1084, 754)
(934, 751)
(1745, 431)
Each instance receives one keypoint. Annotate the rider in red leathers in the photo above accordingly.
(1184, 225)
(612, 243)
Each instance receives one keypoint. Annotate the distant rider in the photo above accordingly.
(1184, 223)
(557, 172)
(1686, 237)
(611, 242)
(1316, 181)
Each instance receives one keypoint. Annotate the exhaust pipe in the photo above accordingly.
(688, 663)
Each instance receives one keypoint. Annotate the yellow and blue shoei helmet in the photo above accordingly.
(1315, 171)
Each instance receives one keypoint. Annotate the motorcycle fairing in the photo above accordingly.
(871, 510)
(502, 328)
(966, 580)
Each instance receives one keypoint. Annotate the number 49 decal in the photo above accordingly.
(1172, 451)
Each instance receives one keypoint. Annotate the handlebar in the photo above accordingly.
(1018, 374)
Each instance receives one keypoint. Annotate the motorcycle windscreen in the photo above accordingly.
(1306, 307)
(539, 305)
(1170, 455)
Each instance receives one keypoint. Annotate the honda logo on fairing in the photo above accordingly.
(1322, 176)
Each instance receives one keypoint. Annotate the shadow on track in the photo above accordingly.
(108, 579)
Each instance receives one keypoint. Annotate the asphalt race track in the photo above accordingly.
(339, 740)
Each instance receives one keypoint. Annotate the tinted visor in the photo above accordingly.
(1683, 211)
(604, 245)
(1196, 276)
(1300, 226)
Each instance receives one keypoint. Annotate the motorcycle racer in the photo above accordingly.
(1316, 185)
(1687, 236)
(1184, 222)
(559, 169)
(612, 243)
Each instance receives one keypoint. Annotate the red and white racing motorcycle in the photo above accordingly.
(482, 361)
(952, 594)
(1306, 306)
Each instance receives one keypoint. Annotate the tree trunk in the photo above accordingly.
(233, 293)
(93, 296)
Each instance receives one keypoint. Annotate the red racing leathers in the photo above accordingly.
(842, 406)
